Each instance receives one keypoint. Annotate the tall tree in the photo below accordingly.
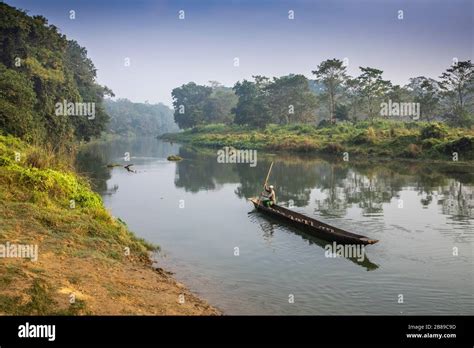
(85, 73)
(290, 100)
(332, 74)
(219, 104)
(16, 97)
(457, 84)
(426, 92)
(352, 96)
(189, 102)
(372, 88)
(252, 108)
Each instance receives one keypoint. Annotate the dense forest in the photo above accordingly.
(40, 72)
(331, 96)
(140, 119)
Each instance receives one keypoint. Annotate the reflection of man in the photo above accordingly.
(269, 196)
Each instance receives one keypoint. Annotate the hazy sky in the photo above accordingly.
(166, 52)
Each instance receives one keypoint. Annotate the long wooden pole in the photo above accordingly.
(266, 181)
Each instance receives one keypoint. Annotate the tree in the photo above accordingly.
(457, 84)
(16, 98)
(219, 105)
(40, 68)
(352, 94)
(398, 94)
(372, 88)
(332, 74)
(85, 73)
(189, 101)
(426, 92)
(252, 108)
(290, 99)
(341, 112)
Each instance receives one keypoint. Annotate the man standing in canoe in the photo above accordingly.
(269, 196)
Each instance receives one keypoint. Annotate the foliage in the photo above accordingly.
(426, 92)
(40, 67)
(434, 130)
(372, 89)
(290, 100)
(332, 74)
(53, 188)
(252, 108)
(341, 112)
(335, 96)
(219, 105)
(189, 102)
(364, 138)
(457, 85)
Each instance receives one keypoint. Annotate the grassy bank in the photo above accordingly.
(377, 138)
(84, 253)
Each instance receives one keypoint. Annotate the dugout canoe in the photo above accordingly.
(312, 226)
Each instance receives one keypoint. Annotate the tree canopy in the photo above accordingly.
(39, 68)
(333, 96)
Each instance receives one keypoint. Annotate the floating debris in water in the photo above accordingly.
(174, 158)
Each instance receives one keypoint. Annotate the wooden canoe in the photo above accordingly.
(312, 226)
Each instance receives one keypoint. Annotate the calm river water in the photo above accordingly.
(197, 211)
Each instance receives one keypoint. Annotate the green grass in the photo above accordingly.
(36, 191)
(365, 138)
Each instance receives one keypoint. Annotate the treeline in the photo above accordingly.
(141, 119)
(48, 88)
(196, 104)
(332, 95)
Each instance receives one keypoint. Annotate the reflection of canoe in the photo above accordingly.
(268, 232)
(312, 226)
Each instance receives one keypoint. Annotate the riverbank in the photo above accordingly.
(390, 139)
(76, 258)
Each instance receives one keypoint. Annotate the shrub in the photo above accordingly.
(324, 124)
(301, 128)
(463, 145)
(371, 135)
(430, 143)
(434, 130)
(359, 139)
(40, 158)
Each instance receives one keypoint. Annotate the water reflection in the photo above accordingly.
(268, 225)
(341, 185)
(93, 159)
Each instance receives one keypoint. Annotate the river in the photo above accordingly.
(245, 263)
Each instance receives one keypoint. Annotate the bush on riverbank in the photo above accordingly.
(365, 138)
